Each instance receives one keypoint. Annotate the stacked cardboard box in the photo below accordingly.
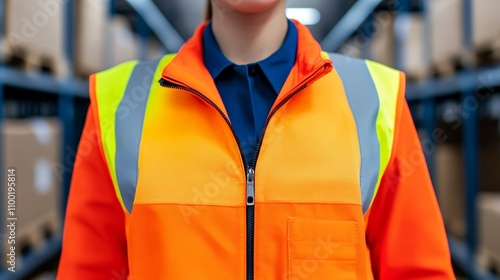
(91, 35)
(413, 59)
(101, 41)
(486, 23)
(446, 33)
(410, 28)
(34, 33)
(124, 45)
(489, 230)
(450, 171)
(33, 148)
(382, 44)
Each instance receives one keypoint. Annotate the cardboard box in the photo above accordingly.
(450, 171)
(446, 27)
(35, 31)
(486, 23)
(124, 43)
(488, 205)
(33, 148)
(91, 35)
(413, 59)
(382, 44)
(450, 187)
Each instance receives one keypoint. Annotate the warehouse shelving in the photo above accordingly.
(67, 89)
(470, 84)
(349, 23)
(481, 79)
(43, 82)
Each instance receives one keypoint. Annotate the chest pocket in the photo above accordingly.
(317, 248)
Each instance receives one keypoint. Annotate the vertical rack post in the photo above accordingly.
(429, 125)
(144, 37)
(402, 8)
(429, 104)
(470, 135)
(66, 105)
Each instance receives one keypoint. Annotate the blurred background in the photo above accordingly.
(450, 50)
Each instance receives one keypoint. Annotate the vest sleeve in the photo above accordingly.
(405, 232)
(94, 241)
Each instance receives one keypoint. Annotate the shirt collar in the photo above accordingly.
(276, 68)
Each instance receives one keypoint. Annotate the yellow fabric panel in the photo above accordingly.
(310, 152)
(188, 154)
(387, 82)
(156, 87)
(110, 88)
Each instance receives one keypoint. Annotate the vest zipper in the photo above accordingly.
(250, 170)
(250, 221)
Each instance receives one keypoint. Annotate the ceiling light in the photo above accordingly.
(306, 16)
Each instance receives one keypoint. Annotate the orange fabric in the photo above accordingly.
(309, 241)
(188, 68)
(189, 215)
(210, 245)
(94, 243)
(405, 231)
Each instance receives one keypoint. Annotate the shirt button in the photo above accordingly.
(253, 70)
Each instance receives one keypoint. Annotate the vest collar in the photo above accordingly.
(187, 68)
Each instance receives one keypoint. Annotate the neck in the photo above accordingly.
(249, 37)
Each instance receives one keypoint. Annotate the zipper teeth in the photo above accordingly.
(226, 119)
(250, 242)
(250, 208)
(250, 215)
(266, 124)
(282, 102)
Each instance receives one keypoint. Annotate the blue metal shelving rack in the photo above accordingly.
(466, 84)
(68, 89)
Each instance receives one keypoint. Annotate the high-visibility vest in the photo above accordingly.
(195, 211)
(179, 175)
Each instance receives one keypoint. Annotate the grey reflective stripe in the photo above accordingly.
(128, 128)
(364, 102)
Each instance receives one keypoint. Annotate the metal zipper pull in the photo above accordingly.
(250, 186)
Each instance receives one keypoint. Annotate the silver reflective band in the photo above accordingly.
(364, 102)
(128, 129)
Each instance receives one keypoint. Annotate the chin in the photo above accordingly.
(249, 6)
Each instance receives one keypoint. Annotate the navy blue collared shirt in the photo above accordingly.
(249, 91)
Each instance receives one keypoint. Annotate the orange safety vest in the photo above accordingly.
(193, 210)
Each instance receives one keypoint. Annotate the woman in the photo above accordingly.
(250, 155)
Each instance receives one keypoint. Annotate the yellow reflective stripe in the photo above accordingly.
(110, 88)
(325, 55)
(387, 81)
(154, 105)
